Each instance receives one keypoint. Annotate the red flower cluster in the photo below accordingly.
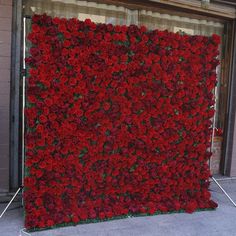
(118, 121)
(218, 132)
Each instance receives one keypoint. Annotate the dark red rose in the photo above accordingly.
(191, 206)
(42, 118)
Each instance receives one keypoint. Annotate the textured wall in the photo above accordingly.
(233, 162)
(216, 156)
(5, 63)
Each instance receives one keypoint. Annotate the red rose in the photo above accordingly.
(216, 39)
(75, 219)
(191, 206)
(50, 223)
(102, 215)
(106, 106)
(42, 119)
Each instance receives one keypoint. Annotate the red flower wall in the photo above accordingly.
(118, 121)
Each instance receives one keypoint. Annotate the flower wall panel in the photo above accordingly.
(118, 121)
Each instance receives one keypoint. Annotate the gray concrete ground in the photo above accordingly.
(221, 222)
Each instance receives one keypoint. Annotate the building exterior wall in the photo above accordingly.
(233, 160)
(5, 75)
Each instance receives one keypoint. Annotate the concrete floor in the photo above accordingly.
(221, 222)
